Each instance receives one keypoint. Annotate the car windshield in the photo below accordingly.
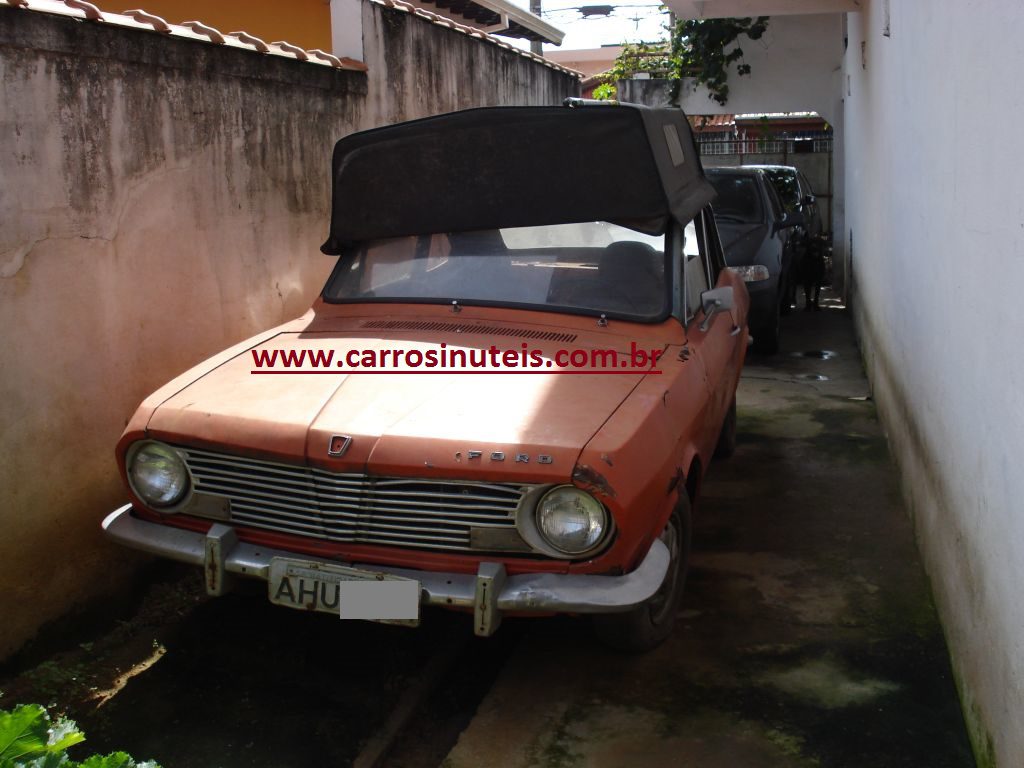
(592, 267)
(737, 199)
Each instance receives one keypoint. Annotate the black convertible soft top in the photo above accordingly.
(500, 167)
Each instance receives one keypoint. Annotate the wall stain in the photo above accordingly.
(156, 190)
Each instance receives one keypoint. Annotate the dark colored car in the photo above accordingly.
(809, 239)
(756, 230)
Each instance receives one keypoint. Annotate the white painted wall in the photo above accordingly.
(935, 198)
(347, 28)
(716, 9)
(793, 69)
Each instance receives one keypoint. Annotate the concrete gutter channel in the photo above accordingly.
(807, 635)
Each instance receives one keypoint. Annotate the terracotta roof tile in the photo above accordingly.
(712, 123)
(190, 30)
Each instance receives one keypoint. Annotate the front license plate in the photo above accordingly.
(351, 593)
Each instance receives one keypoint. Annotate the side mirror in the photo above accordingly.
(714, 301)
(789, 219)
(756, 273)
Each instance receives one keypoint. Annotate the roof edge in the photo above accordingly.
(534, 23)
(188, 30)
(435, 18)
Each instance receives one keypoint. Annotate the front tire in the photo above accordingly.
(649, 624)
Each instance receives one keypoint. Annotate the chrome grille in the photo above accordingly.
(354, 508)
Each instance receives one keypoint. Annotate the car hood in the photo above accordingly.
(514, 426)
(741, 241)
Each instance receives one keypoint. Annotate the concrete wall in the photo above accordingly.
(652, 91)
(936, 216)
(161, 199)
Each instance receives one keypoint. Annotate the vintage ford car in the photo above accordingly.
(502, 402)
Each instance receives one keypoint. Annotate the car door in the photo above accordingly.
(812, 214)
(713, 340)
(787, 239)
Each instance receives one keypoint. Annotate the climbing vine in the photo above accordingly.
(699, 49)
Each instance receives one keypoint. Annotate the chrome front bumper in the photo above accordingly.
(490, 592)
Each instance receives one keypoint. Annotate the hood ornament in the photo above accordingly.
(338, 445)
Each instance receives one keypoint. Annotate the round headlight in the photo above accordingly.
(157, 474)
(571, 520)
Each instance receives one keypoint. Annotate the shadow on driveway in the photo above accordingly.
(807, 635)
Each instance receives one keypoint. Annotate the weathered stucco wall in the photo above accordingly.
(936, 221)
(160, 199)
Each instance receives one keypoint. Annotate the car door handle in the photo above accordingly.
(735, 330)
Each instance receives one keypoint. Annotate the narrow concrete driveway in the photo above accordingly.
(807, 636)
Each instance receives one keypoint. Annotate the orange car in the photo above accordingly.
(503, 400)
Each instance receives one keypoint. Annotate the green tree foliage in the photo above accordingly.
(699, 48)
(29, 739)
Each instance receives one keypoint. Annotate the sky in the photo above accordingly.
(631, 21)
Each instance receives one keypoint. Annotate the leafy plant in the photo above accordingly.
(30, 739)
(699, 48)
(605, 92)
(655, 59)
